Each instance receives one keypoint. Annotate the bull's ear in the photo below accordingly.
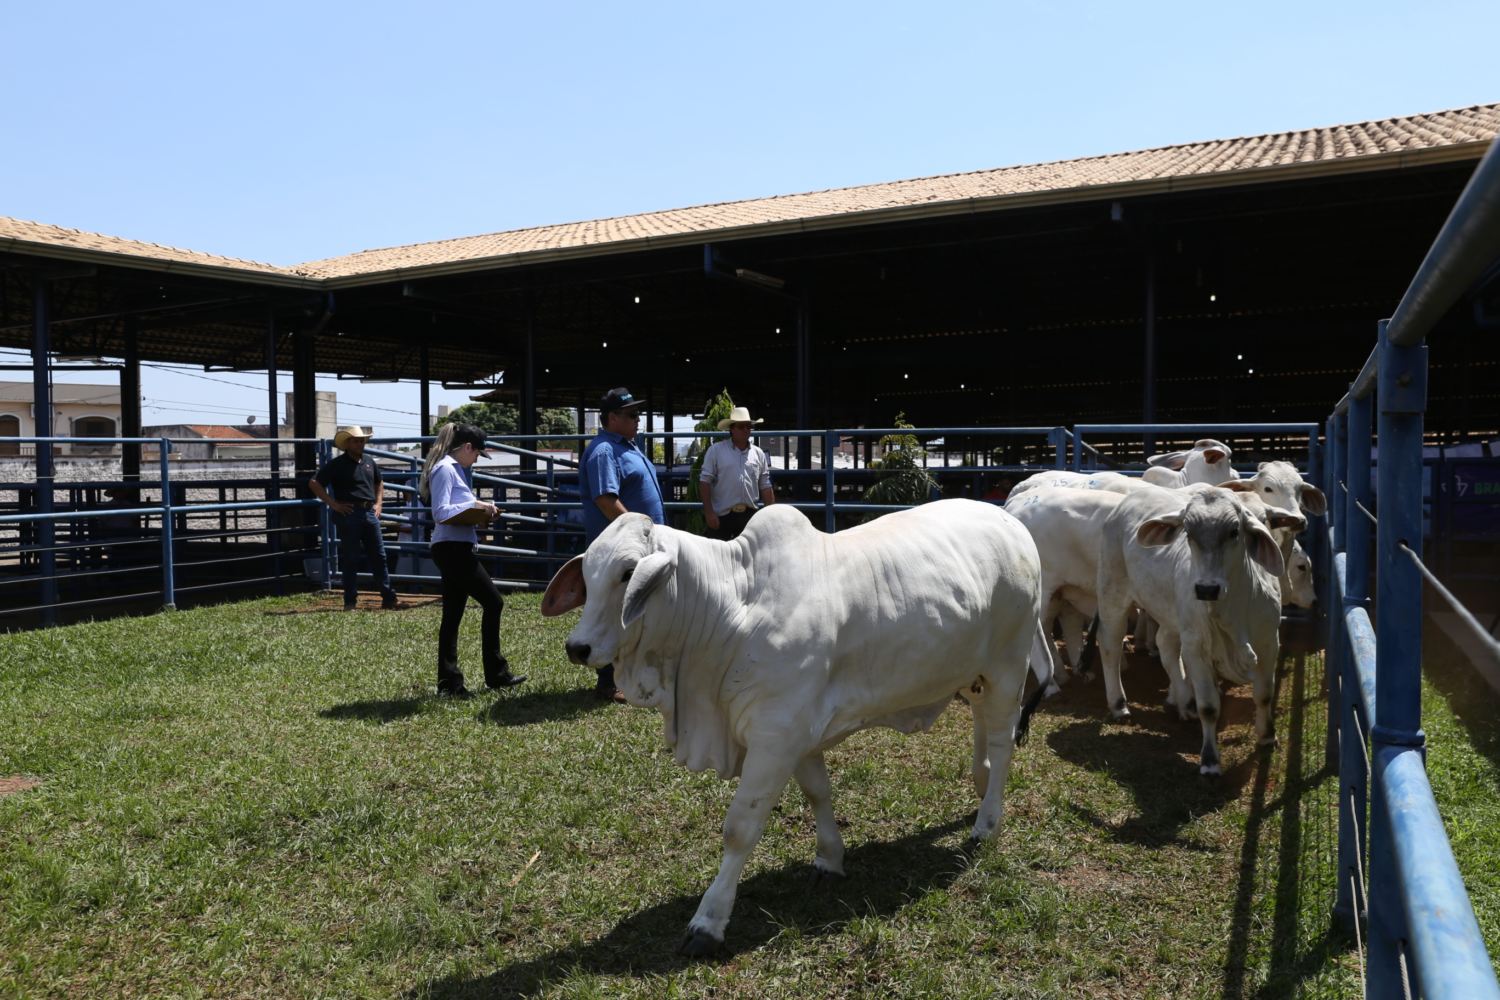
(1312, 499)
(1238, 486)
(1173, 460)
(1276, 518)
(649, 574)
(566, 591)
(1159, 530)
(1213, 456)
(1262, 548)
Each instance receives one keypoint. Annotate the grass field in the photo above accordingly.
(243, 801)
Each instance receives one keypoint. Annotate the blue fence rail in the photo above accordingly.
(119, 543)
(1398, 881)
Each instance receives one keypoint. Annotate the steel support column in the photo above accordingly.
(272, 408)
(130, 404)
(1148, 375)
(424, 378)
(804, 397)
(41, 390)
(1335, 643)
(1402, 396)
(528, 421)
(304, 408)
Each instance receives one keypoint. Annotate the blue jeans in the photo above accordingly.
(360, 529)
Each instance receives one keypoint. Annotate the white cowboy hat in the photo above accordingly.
(341, 439)
(738, 415)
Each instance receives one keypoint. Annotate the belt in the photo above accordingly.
(739, 508)
(364, 504)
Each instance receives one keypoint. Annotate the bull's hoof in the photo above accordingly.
(823, 875)
(699, 944)
(1120, 714)
(1210, 771)
(1268, 741)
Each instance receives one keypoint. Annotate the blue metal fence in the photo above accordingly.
(1398, 882)
(95, 551)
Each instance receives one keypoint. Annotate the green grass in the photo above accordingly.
(241, 802)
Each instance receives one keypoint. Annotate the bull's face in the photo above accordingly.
(1279, 484)
(1207, 462)
(1297, 585)
(612, 582)
(1220, 533)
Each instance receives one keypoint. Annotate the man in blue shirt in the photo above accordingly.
(614, 478)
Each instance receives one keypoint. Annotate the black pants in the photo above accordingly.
(464, 578)
(731, 524)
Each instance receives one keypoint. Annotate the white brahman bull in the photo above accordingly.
(1207, 462)
(1066, 525)
(763, 652)
(1206, 568)
(1113, 482)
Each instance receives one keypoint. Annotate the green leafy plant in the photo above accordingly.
(904, 464)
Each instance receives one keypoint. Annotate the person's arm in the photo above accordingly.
(339, 506)
(604, 475)
(707, 475)
(447, 499)
(610, 506)
(706, 490)
(767, 494)
(379, 493)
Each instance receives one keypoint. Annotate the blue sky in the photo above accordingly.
(287, 132)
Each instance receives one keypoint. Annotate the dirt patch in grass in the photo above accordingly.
(321, 604)
(11, 784)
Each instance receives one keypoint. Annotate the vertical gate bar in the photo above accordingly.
(1058, 437)
(1332, 674)
(168, 574)
(41, 387)
(1353, 782)
(130, 404)
(273, 434)
(830, 445)
(1402, 397)
(325, 524)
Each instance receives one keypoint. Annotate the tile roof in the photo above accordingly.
(1208, 163)
(1445, 135)
(20, 232)
(221, 432)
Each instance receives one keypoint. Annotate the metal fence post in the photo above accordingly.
(1331, 667)
(1059, 438)
(1353, 781)
(325, 525)
(1402, 397)
(830, 445)
(168, 577)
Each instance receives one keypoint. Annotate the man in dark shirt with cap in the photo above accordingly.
(614, 478)
(357, 496)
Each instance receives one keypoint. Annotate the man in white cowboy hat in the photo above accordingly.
(356, 500)
(735, 475)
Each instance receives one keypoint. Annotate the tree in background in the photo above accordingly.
(904, 464)
(503, 419)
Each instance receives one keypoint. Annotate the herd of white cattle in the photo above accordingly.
(764, 652)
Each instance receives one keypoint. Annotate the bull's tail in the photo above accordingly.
(1041, 666)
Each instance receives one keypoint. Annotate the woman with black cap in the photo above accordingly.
(446, 489)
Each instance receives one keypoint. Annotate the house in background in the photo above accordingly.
(77, 411)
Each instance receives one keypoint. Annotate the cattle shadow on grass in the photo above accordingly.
(884, 878)
(377, 711)
(514, 709)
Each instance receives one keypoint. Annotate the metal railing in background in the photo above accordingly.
(1396, 867)
(99, 552)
